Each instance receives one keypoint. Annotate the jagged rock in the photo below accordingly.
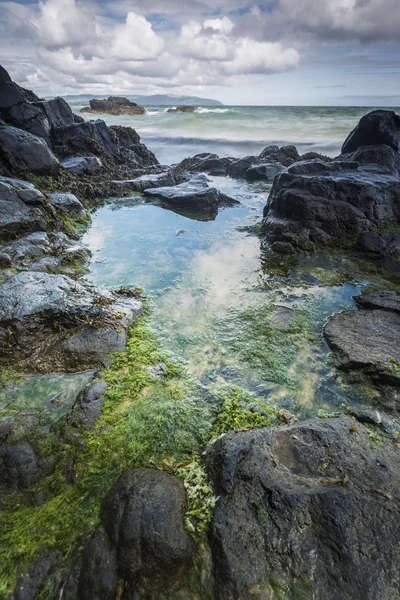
(88, 405)
(67, 203)
(322, 204)
(51, 323)
(143, 517)
(32, 581)
(194, 194)
(264, 172)
(127, 136)
(114, 105)
(238, 168)
(286, 155)
(26, 153)
(82, 164)
(382, 159)
(377, 127)
(311, 508)
(205, 162)
(57, 111)
(90, 137)
(367, 341)
(382, 299)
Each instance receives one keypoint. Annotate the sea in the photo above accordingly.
(239, 130)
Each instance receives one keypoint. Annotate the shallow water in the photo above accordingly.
(240, 130)
(204, 277)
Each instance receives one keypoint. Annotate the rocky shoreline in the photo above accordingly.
(259, 507)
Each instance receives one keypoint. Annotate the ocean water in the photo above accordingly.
(240, 130)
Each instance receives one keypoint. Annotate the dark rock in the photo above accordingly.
(51, 323)
(91, 137)
(26, 153)
(32, 197)
(383, 299)
(130, 147)
(377, 127)
(88, 405)
(40, 571)
(183, 109)
(312, 509)
(57, 111)
(238, 168)
(5, 260)
(286, 155)
(194, 194)
(98, 576)
(381, 159)
(371, 241)
(143, 517)
(82, 164)
(157, 180)
(17, 217)
(114, 105)
(19, 468)
(126, 136)
(268, 151)
(264, 171)
(67, 203)
(314, 204)
(367, 341)
(366, 416)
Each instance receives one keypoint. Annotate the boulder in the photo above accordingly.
(206, 163)
(194, 194)
(98, 576)
(377, 127)
(57, 111)
(114, 105)
(19, 467)
(67, 203)
(382, 159)
(264, 171)
(311, 509)
(238, 168)
(367, 340)
(82, 164)
(26, 153)
(318, 204)
(90, 137)
(143, 517)
(51, 323)
(88, 405)
(157, 180)
(286, 155)
(17, 217)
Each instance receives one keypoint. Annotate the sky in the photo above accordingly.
(272, 52)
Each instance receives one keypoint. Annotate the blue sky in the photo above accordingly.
(308, 52)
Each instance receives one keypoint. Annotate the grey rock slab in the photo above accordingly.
(26, 153)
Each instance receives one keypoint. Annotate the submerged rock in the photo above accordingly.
(312, 509)
(51, 323)
(194, 194)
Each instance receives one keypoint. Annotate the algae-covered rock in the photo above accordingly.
(312, 509)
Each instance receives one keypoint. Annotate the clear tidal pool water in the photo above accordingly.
(212, 286)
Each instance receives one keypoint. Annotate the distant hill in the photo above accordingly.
(154, 100)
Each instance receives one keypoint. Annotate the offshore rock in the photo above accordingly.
(114, 105)
(51, 323)
(311, 508)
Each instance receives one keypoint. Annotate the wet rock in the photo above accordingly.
(39, 572)
(382, 159)
(238, 168)
(286, 155)
(264, 171)
(377, 127)
(51, 323)
(130, 147)
(194, 194)
(373, 417)
(32, 197)
(143, 517)
(312, 508)
(67, 203)
(82, 164)
(19, 467)
(126, 136)
(57, 111)
(98, 575)
(381, 299)
(316, 204)
(157, 180)
(91, 137)
(5, 260)
(371, 241)
(282, 318)
(367, 341)
(184, 109)
(17, 217)
(88, 405)
(26, 153)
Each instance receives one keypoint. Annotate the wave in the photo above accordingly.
(202, 110)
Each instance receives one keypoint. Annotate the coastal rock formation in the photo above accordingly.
(311, 509)
(114, 105)
(368, 339)
(264, 171)
(23, 152)
(317, 204)
(82, 164)
(184, 109)
(51, 323)
(195, 194)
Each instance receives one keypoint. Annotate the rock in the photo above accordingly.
(18, 218)
(157, 180)
(82, 164)
(286, 155)
(98, 576)
(51, 323)
(183, 109)
(311, 508)
(143, 517)
(19, 468)
(194, 194)
(238, 168)
(32, 197)
(114, 105)
(206, 163)
(90, 137)
(377, 127)
(372, 417)
(264, 171)
(5, 260)
(57, 111)
(367, 341)
(67, 203)
(88, 405)
(318, 204)
(371, 241)
(26, 153)
(127, 136)
(382, 299)
(381, 159)
(33, 580)
(130, 147)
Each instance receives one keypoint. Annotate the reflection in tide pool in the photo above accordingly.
(209, 283)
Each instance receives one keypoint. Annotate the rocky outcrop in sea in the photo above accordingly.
(114, 105)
